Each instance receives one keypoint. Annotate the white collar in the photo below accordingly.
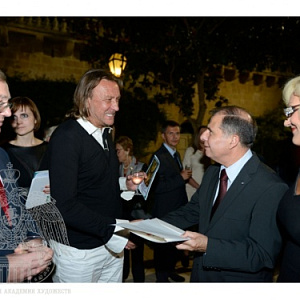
(89, 127)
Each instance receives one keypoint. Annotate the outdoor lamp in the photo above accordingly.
(117, 63)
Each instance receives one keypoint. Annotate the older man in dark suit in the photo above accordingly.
(16, 265)
(240, 241)
(169, 194)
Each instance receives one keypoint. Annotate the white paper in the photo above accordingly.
(122, 221)
(155, 230)
(36, 196)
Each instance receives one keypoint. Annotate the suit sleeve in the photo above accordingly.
(5, 267)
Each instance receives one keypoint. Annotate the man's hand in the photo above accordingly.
(23, 265)
(197, 242)
(46, 189)
(129, 183)
(130, 245)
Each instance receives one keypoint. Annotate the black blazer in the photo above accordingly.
(243, 237)
(168, 186)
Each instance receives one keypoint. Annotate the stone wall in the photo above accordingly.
(38, 48)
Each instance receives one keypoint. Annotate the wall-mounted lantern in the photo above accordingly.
(117, 63)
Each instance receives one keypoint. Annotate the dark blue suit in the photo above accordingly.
(169, 195)
(243, 238)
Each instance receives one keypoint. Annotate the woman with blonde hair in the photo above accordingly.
(289, 207)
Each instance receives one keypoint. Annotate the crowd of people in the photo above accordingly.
(238, 215)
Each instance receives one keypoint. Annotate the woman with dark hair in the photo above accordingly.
(26, 151)
(195, 159)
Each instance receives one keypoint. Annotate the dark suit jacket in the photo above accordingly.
(289, 223)
(243, 237)
(22, 224)
(168, 186)
(4, 160)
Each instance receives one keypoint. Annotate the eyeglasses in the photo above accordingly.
(290, 110)
(5, 105)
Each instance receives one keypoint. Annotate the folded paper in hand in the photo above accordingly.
(155, 230)
(36, 196)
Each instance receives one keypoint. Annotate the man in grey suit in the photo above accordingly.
(240, 242)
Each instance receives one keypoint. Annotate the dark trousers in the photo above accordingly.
(136, 257)
(165, 258)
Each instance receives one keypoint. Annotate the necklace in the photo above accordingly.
(128, 163)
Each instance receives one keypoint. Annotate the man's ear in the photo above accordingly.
(235, 139)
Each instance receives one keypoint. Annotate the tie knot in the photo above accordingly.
(223, 176)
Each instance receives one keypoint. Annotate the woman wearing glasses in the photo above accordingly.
(25, 150)
(289, 208)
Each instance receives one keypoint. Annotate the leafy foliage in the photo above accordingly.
(172, 55)
(177, 53)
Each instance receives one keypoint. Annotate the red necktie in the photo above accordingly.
(4, 203)
(222, 191)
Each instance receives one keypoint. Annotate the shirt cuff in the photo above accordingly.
(127, 195)
(122, 183)
(117, 242)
